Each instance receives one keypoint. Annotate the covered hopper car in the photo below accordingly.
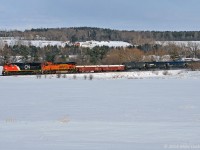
(156, 65)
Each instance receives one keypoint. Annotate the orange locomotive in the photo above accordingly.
(49, 67)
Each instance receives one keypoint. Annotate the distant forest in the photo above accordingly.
(100, 34)
(144, 49)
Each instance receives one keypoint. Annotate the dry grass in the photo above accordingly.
(194, 66)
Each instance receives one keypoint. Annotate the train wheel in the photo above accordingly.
(3, 73)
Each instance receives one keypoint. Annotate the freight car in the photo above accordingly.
(155, 65)
(100, 68)
(134, 65)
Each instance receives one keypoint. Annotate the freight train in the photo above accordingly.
(71, 67)
(55, 68)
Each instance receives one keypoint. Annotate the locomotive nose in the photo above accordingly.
(5, 68)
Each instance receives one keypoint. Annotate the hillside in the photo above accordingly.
(100, 34)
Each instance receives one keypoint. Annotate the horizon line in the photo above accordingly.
(132, 30)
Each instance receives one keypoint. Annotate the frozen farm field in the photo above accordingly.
(115, 112)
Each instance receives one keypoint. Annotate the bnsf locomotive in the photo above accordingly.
(71, 67)
(52, 68)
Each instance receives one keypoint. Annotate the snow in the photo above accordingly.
(37, 43)
(42, 43)
(180, 43)
(157, 58)
(92, 44)
(135, 110)
(11, 41)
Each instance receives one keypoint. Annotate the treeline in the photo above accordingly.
(100, 34)
(22, 53)
(97, 55)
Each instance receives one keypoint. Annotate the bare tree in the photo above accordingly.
(193, 48)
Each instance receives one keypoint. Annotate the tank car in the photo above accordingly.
(135, 65)
(178, 64)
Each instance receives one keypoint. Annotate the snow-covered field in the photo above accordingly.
(114, 111)
(37, 43)
(92, 44)
(11, 41)
(181, 43)
(42, 43)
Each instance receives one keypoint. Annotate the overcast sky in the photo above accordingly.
(115, 14)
